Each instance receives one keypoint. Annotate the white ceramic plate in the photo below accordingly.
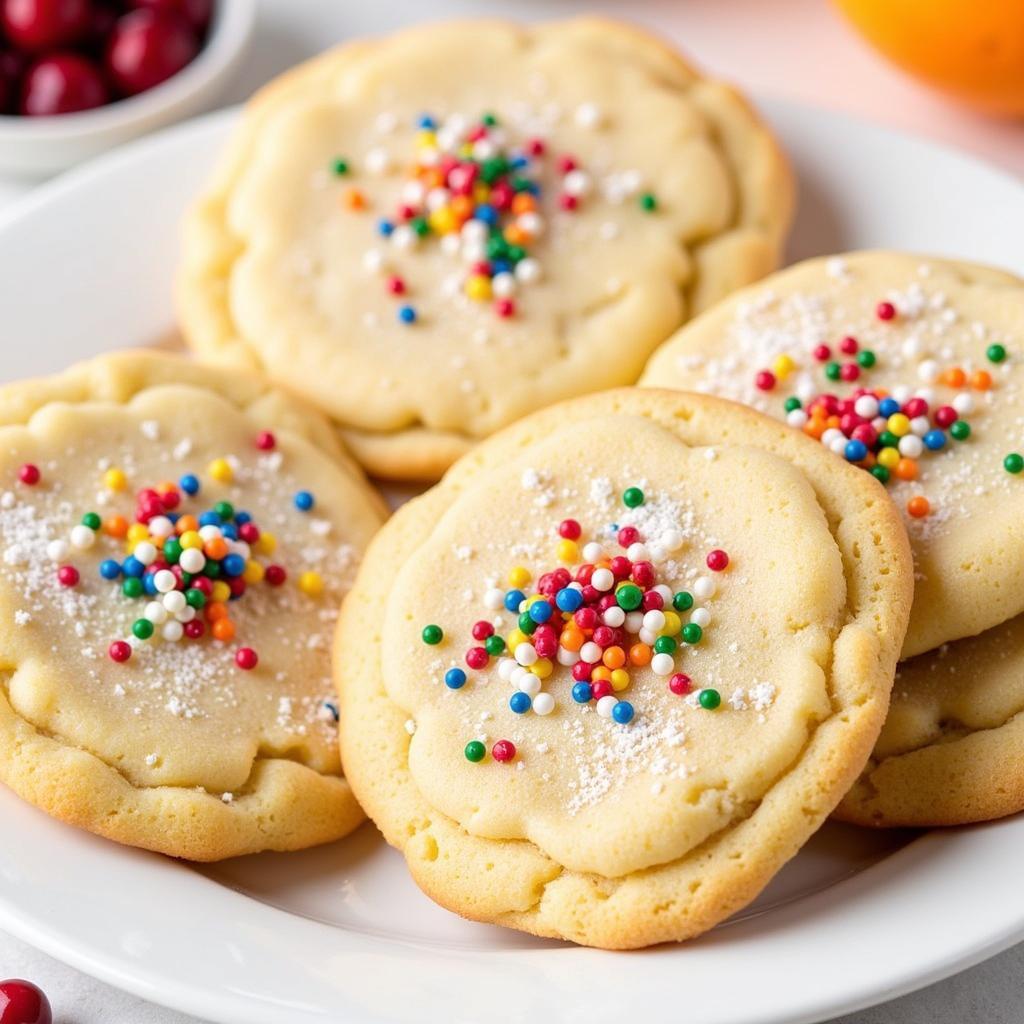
(341, 933)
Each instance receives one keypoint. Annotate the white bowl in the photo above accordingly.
(44, 145)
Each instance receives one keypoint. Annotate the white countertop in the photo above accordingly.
(721, 37)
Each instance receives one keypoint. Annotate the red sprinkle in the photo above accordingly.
(265, 441)
(29, 474)
(849, 371)
(849, 345)
(245, 657)
(67, 576)
(765, 380)
(717, 560)
(505, 308)
(570, 529)
(275, 575)
(194, 629)
(396, 286)
(120, 650)
(503, 750)
(602, 688)
(885, 311)
(476, 657)
(482, 630)
(680, 684)
(822, 353)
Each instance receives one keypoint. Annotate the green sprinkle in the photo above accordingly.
(792, 403)
(682, 601)
(692, 633)
(225, 510)
(632, 497)
(526, 624)
(833, 371)
(648, 202)
(880, 473)
(142, 628)
(172, 550)
(515, 253)
(475, 751)
(995, 353)
(196, 598)
(887, 439)
(494, 645)
(432, 635)
(132, 587)
(420, 226)
(866, 358)
(665, 645)
(961, 430)
(1013, 463)
(709, 699)
(489, 119)
(212, 569)
(92, 520)
(629, 597)
(339, 167)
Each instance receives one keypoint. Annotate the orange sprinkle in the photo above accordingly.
(216, 548)
(223, 629)
(639, 654)
(186, 523)
(906, 469)
(614, 657)
(981, 380)
(515, 235)
(115, 526)
(815, 427)
(833, 421)
(601, 672)
(166, 486)
(353, 199)
(461, 206)
(953, 377)
(918, 506)
(523, 202)
(215, 611)
(571, 639)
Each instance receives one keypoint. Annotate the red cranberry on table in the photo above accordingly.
(37, 25)
(21, 1002)
(60, 84)
(146, 48)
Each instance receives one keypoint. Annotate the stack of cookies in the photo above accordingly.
(611, 672)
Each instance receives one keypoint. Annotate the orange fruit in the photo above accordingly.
(974, 51)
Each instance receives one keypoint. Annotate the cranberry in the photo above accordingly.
(21, 1002)
(60, 84)
(37, 25)
(196, 12)
(146, 48)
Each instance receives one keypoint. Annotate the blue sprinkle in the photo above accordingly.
(233, 565)
(519, 162)
(455, 679)
(189, 483)
(568, 599)
(303, 501)
(385, 228)
(132, 566)
(173, 516)
(520, 702)
(149, 583)
(230, 531)
(582, 693)
(487, 213)
(888, 407)
(110, 570)
(623, 712)
(533, 188)
(406, 314)
(243, 517)
(500, 266)
(210, 518)
(855, 450)
(331, 708)
(934, 440)
(513, 599)
(540, 611)
(426, 122)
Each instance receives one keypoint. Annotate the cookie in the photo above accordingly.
(486, 207)
(629, 757)
(174, 543)
(951, 751)
(913, 368)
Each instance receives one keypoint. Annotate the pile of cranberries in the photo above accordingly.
(58, 56)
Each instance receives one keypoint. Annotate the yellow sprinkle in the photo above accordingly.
(442, 221)
(783, 367)
(253, 572)
(191, 539)
(311, 583)
(426, 139)
(620, 679)
(568, 551)
(519, 577)
(481, 192)
(898, 424)
(478, 287)
(115, 480)
(220, 470)
(137, 532)
(888, 457)
(220, 591)
(672, 624)
(515, 638)
(542, 668)
(267, 543)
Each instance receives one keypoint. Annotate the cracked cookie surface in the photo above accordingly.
(653, 803)
(646, 193)
(182, 745)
